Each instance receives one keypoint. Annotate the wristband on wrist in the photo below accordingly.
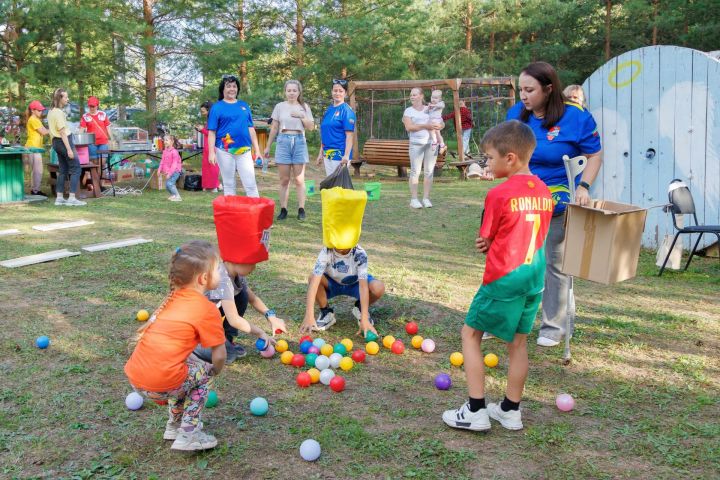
(270, 313)
(585, 185)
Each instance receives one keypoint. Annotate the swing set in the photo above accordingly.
(379, 107)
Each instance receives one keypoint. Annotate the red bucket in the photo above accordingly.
(243, 228)
(83, 154)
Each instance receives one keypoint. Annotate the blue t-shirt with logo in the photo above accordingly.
(336, 121)
(231, 123)
(576, 133)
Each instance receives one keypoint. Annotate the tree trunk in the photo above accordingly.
(608, 9)
(242, 36)
(80, 81)
(345, 40)
(299, 33)
(150, 63)
(468, 26)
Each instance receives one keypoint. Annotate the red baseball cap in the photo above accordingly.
(93, 102)
(36, 105)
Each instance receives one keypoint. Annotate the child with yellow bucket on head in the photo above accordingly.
(342, 265)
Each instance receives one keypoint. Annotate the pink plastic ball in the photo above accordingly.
(314, 350)
(428, 346)
(565, 402)
(268, 352)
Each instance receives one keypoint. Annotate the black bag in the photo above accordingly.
(339, 178)
(193, 183)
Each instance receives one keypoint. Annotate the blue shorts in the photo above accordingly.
(93, 150)
(335, 289)
(291, 149)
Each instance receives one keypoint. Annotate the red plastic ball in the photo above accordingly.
(358, 356)
(397, 347)
(298, 360)
(303, 379)
(306, 337)
(278, 331)
(411, 328)
(337, 383)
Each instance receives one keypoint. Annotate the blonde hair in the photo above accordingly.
(189, 260)
(570, 89)
(57, 97)
(436, 93)
(300, 91)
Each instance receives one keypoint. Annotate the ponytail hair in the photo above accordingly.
(57, 97)
(300, 91)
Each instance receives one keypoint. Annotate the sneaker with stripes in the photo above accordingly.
(464, 418)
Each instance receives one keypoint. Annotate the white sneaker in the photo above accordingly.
(59, 201)
(74, 202)
(426, 203)
(171, 430)
(415, 203)
(547, 342)
(214, 190)
(487, 336)
(325, 321)
(358, 315)
(464, 418)
(175, 198)
(192, 441)
(511, 420)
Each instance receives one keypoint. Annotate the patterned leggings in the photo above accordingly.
(187, 401)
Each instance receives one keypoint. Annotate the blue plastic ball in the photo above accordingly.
(42, 342)
(310, 450)
(259, 406)
(261, 344)
(319, 342)
(340, 348)
(134, 401)
(310, 359)
(305, 346)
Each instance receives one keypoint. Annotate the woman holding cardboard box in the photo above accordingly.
(561, 128)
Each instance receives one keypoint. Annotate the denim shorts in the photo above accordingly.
(291, 149)
(336, 289)
(93, 150)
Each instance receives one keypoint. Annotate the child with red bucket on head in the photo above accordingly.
(342, 265)
(243, 230)
(512, 235)
(162, 366)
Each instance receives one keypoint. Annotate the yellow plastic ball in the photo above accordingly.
(142, 315)
(456, 359)
(491, 360)
(326, 349)
(416, 341)
(286, 357)
(314, 375)
(281, 346)
(347, 364)
(372, 348)
(348, 344)
(388, 341)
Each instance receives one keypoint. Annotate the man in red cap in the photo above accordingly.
(96, 121)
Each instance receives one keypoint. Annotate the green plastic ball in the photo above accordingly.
(310, 359)
(212, 399)
(340, 348)
(370, 336)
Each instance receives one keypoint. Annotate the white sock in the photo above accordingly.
(71, 196)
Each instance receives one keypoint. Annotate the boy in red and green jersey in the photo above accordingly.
(515, 223)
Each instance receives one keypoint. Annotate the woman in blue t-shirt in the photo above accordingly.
(336, 130)
(561, 128)
(231, 132)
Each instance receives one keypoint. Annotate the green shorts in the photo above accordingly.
(503, 318)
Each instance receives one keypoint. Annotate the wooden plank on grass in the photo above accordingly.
(61, 225)
(39, 258)
(11, 231)
(115, 244)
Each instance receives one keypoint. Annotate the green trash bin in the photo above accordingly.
(373, 190)
(310, 187)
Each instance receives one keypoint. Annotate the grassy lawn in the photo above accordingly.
(645, 371)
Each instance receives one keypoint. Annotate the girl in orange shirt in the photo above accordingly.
(162, 366)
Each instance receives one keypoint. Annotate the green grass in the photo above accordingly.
(645, 371)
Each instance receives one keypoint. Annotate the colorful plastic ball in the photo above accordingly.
(340, 348)
(428, 346)
(142, 315)
(287, 357)
(326, 349)
(335, 360)
(346, 364)
(319, 342)
(305, 346)
(268, 352)
(42, 342)
(358, 356)
(281, 346)
(388, 340)
(314, 349)
(491, 360)
(314, 375)
(457, 359)
(443, 381)
(134, 401)
(326, 375)
(278, 331)
(337, 383)
(322, 362)
(370, 336)
(348, 344)
(397, 347)
(303, 379)
(298, 360)
(261, 344)
(259, 406)
(310, 359)
(416, 341)
(310, 450)
(372, 348)
(565, 402)
(411, 328)
(212, 399)
(303, 338)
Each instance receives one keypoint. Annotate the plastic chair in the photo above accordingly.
(681, 203)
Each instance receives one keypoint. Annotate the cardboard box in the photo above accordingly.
(602, 242)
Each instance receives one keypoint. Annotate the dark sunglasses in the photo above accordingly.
(340, 81)
(229, 77)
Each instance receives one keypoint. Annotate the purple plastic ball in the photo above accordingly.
(305, 346)
(314, 350)
(443, 381)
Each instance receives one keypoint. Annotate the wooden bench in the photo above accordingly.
(86, 168)
(393, 153)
